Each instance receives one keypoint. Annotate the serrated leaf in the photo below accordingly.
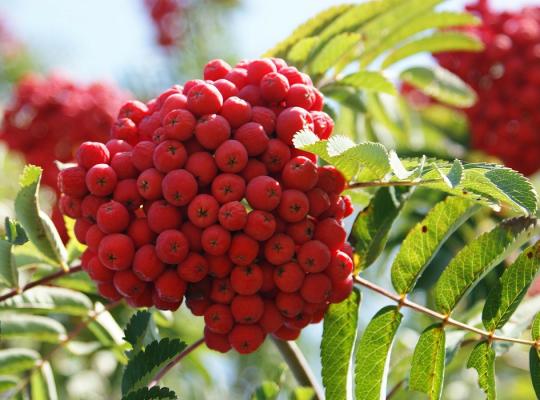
(108, 332)
(44, 299)
(427, 368)
(7, 383)
(535, 327)
(482, 359)
(146, 364)
(42, 383)
(15, 233)
(440, 84)
(14, 360)
(31, 327)
(268, 390)
(477, 258)
(534, 368)
(422, 22)
(37, 224)
(372, 81)
(310, 28)
(301, 51)
(503, 300)
(372, 225)
(136, 329)
(333, 51)
(9, 276)
(454, 176)
(339, 335)
(436, 43)
(424, 240)
(397, 166)
(155, 393)
(373, 354)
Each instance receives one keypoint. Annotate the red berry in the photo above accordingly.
(271, 319)
(140, 232)
(286, 333)
(236, 111)
(331, 232)
(71, 181)
(204, 99)
(300, 95)
(289, 304)
(313, 256)
(279, 249)
(99, 272)
(341, 290)
(251, 94)
(142, 155)
(253, 138)
(246, 339)
(323, 124)
(300, 173)
(176, 101)
(288, 277)
(294, 205)
(216, 69)
(70, 206)
(253, 169)
(179, 187)
(149, 184)
(123, 165)
(263, 193)
(93, 237)
(134, 110)
(216, 240)
(246, 280)
(259, 68)
(146, 263)
(101, 180)
(247, 309)
(169, 155)
(331, 180)
(179, 125)
(215, 341)
(163, 216)
(127, 283)
(116, 146)
(243, 249)
(301, 231)
(265, 117)
(82, 225)
(274, 87)
(277, 154)
(202, 166)
(231, 156)
(203, 210)
(316, 288)
(170, 287)
(92, 153)
(116, 251)
(232, 216)
(112, 217)
(193, 235)
(194, 268)
(127, 193)
(172, 246)
(218, 319)
(221, 291)
(219, 266)
(212, 130)
(319, 201)
(341, 266)
(228, 187)
(260, 225)
(226, 88)
(291, 121)
(107, 290)
(238, 76)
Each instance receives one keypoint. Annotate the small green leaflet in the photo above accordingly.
(31, 327)
(339, 335)
(136, 330)
(482, 359)
(426, 238)
(535, 327)
(454, 176)
(15, 360)
(441, 84)
(370, 230)
(300, 52)
(44, 299)
(155, 393)
(477, 258)
(373, 354)
(142, 368)
(427, 369)
(42, 383)
(9, 276)
(503, 300)
(436, 43)
(37, 224)
(333, 51)
(15, 233)
(534, 367)
(368, 81)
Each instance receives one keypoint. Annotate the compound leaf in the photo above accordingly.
(482, 359)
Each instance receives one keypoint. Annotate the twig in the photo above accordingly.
(444, 318)
(42, 281)
(175, 361)
(299, 366)
(358, 185)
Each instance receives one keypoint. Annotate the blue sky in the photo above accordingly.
(105, 38)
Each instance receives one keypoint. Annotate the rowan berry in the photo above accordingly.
(340, 267)
(134, 110)
(319, 201)
(331, 180)
(247, 309)
(70, 206)
(218, 318)
(71, 182)
(265, 117)
(193, 235)
(331, 233)
(143, 299)
(227, 90)
(222, 291)
(292, 120)
(202, 166)
(142, 155)
(163, 216)
(216, 240)
(294, 206)
(93, 237)
(232, 216)
(301, 231)
(300, 173)
(271, 319)
(116, 146)
(203, 210)
(236, 111)
(177, 101)
(253, 169)
(276, 155)
(219, 266)
(194, 268)
(127, 283)
(289, 304)
(204, 99)
(316, 288)
(260, 225)
(172, 246)
(99, 272)
(107, 290)
(258, 68)
(253, 138)
(243, 249)
(179, 125)
(247, 279)
(112, 217)
(251, 94)
(323, 125)
(82, 225)
(169, 155)
(287, 333)
(313, 256)
(215, 341)
(92, 153)
(164, 305)
(228, 187)
(274, 87)
(179, 187)
(216, 69)
(341, 290)
(198, 306)
(147, 265)
(127, 193)
(246, 339)
(123, 165)
(300, 95)
(279, 249)
(170, 287)
(263, 193)
(140, 232)
(116, 251)
(212, 130)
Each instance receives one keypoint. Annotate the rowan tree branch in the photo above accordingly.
(404, 302)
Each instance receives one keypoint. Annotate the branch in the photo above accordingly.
(42, 281)
(299, 366)
(175, 361)
(358, 185)
(403, 301)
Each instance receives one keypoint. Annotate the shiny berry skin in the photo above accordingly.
(215, 341)
(301, 231)
(314, 256)
(107, 290)
(149, 184)
(219, 266)
(219, 319)
(194, 268)
(233, 216)
(101, 180)
(216, 69)
(253, 138)
(204, 99)
(71, 181)
(331, 180)
(300, 173)
(246, 280)
(92, 153)
(341, 266)
(243, 249)
(163, 216)
(291, 121)
(170, 287)
(271, 319)
(202, 166)
(257, 69)
(276, 155)
(203, 211)
(331, 233)
(236, 111)
(265, 117)
(274, 87)
(179, 125)
(246, 339)
(116, 251)
(179, 187)
(212, 130)
(289, 277)
(123, 165)
(70, 206)
(228, 187)
(231, 156)
(222, 291)
(260, 225)
(140, 232)
(169, 155)
(263, 193)
(279, 249)
(172, 246)
(226, 88)
(294, 206)
(127, 283)
(319, 201)
(289, 304)
(247, 309)
(216, 240)
(112, 217)
(142, 155)
(99, 272)
(146, 263)
(316, 288)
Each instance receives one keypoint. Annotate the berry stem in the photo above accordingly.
(175, 361)
(42, 281)
(403, 301)
(299, 366)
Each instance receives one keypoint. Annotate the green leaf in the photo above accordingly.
(436, 43)
(31, 327)
(339, 335)
(333, 51)
(268, 390)
(440, 84)
(37, 224)
(49, 299)
(482, 359)
(372, 225)
(14, 360)
(427, 369)
(454, 176)
(534, 367)
(503, 300)
(426, 238)
(535, 327)
(15, 233)
(373, 354)
(301, 51)
(9, 276)
(310, 28)
(422, 22)
(369, 81)
(156, 393)
(142, 368)
(42, 383)
(108, 332)
(477, 258)
(7, 383)
(136, 329)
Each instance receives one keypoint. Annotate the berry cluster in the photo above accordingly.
(201, 194)
(504, 122)
(167, 18)
(48, 118)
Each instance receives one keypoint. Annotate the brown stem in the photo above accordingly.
(444, 318)
(358, 185)
(175, 361)
(299, 366)
(42, 281)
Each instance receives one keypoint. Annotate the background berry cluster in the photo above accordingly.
(506, 76)
(167, 18)
(200, 193)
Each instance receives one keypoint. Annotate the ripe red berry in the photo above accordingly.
(202, 166)
(253, 169)
(179, 187)
(127, 283)
(341, 290)
(163, 216)
(142, 155)
(228, 187)
(276, 155)
(93, 237)
(146, 263)
(247, 279)
(341, 266)
(319, 201)
(236, 111)
(301, 231)
(172, 246)
(246, 339)
(231, 156)
(71, 181)
(112, 217)
(107, 290)
(222, 291)
(300, 173)
(140, 232)
(203, 210)
(232, 216)
(101, 180)
(127, 193)
(116, 251)
(212, 130)
(289, 304)
(122, 164)
(286, 333)
(258, 68)
(193, 235)
(247, 309)
(300, 95)
(253, 138)
(218, 319)
(323, 125)
(313, 256)
(271, 319)
(265, 117)
(294, 205)
(238, 76)
(204, 99)
(216, 240)
(179, 125)
(331, 233)
(216, 69)
(177, 101)
(70, 206)
(226, 88)
(291, 121)
(169, 155)
(149, 184)
(219, 266)
(274, 87)
(331, 180)
(316, 288)
(263, 193)
(260, 225)
(251, 94)
(194, 268)
(279, 249)
(99, 272)
(170, 287)
(243, 249)
(92, 153)
(289, 277)
(215, 341)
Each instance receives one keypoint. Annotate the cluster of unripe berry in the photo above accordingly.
(506, 75)
(200, 194)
